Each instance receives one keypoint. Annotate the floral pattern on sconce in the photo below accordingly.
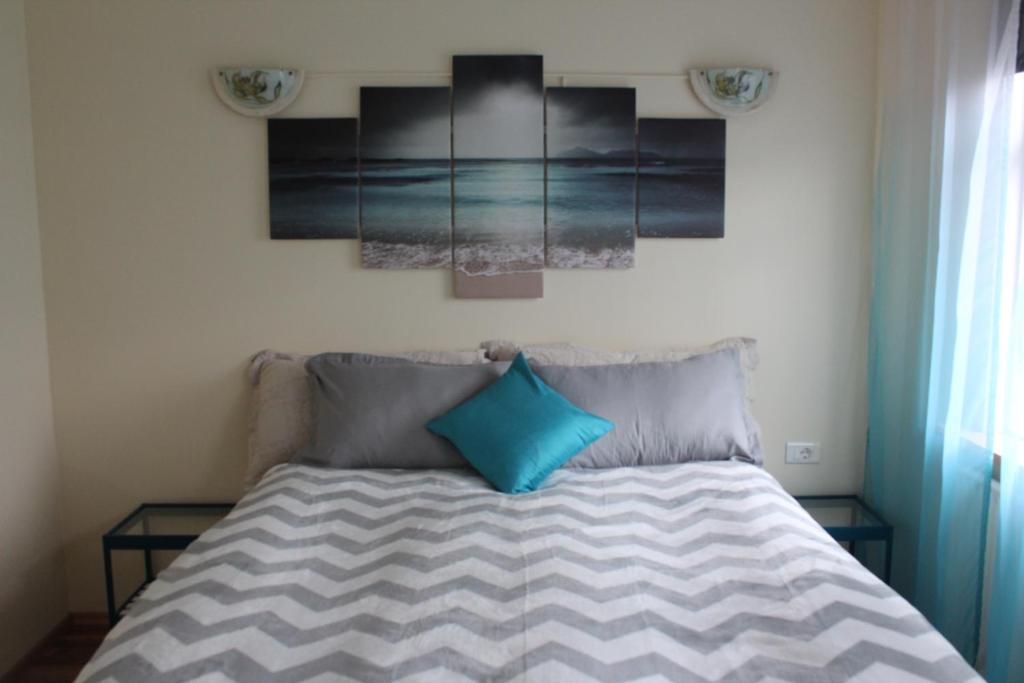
(733, 90)
(256, 91)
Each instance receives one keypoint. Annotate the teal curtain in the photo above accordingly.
(946, 72)
(1006, 614)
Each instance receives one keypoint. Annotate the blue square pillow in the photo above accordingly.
(519, 430)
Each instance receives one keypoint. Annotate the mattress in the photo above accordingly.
(691, 572)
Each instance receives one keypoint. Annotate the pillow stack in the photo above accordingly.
(665, 412)
(375, 415)
(565, 354)
(514, 423)
(281, 414)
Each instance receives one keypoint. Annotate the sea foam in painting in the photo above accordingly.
(498, 149)
(500, 212)
(405, 177)
(591, 177)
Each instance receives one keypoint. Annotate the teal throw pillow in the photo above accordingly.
(518, 430)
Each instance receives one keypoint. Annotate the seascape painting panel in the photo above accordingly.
(498, 149)
(681, 189)
(591, 177)
(405, 177)
(314, 181)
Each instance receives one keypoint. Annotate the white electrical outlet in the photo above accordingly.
(803, 453)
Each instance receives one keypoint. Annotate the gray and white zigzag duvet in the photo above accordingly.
(694, 572)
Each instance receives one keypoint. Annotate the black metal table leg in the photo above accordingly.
(109, 572)
(147, 553)
(888, 557)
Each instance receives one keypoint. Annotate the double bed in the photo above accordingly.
(700, 571)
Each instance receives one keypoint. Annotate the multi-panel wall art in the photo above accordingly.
(314, 181)
(682, 178)
(496, 178)
(405, 177)
(591, 177)
(498, 148)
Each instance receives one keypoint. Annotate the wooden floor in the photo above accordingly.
(60, 657)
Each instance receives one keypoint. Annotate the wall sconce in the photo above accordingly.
(733, 90)
(256, 91)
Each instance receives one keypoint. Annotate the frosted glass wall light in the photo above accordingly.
(256, 91)
(733, 90)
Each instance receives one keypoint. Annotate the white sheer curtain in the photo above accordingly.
(939, 313)
(1005, 656)
(1009, 405)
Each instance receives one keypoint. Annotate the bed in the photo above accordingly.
(701, 571)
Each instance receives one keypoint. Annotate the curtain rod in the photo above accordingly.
(551, 74)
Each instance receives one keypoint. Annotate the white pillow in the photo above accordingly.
(281, 416)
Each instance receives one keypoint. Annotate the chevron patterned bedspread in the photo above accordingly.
(694, 572)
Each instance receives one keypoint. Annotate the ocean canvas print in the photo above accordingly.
(498, 150)
(681, 189)
(314, 191)
(591, 177)
(405, 177)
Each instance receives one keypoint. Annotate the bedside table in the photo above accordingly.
(848, 519)
(155, 526)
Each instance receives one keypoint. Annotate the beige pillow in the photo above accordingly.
(280, 420)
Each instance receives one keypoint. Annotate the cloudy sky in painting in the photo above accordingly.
(498, 107)
(683, 138)
(597, 119)
(405, 123)
(311, 139)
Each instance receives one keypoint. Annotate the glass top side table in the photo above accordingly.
(849, 519)
(155, 526)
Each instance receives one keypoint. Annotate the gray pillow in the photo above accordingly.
(665, 412)
(376, 415)
(281, 415)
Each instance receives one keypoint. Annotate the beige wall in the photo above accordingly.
(33, 596)
(160, 278)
